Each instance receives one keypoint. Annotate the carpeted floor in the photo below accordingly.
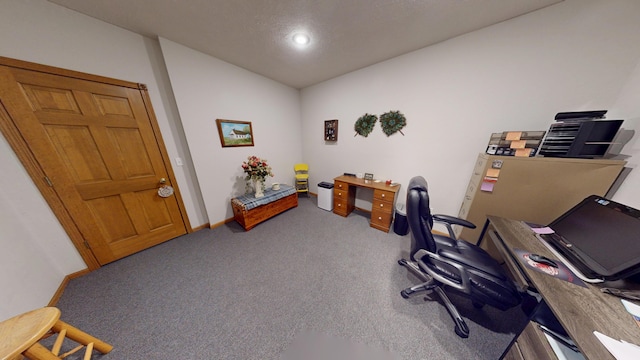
(307, 284)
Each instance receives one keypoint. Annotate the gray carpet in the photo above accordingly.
(307, 284)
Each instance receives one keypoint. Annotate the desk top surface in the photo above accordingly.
(580, 310)
(352, 180)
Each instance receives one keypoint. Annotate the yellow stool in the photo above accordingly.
(22, 334)
(302, 178)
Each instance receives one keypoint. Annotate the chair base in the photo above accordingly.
(430, 284)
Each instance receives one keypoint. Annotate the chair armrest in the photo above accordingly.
(453, 220)
(448, 221)
(464, 285)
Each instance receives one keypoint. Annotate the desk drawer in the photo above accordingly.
(339, 185)
(380, 220)
(382, 206)
(383, 195)
(340, 207)
(340, 193)
(344, 198)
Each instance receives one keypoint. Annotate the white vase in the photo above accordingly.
(257, 184)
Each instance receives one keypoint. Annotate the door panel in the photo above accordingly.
(77, 150)
(96, 143)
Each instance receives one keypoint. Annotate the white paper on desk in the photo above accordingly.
(633, 309)
(621, 350)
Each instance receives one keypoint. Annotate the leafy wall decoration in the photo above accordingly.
(392, 122)
(364, 125)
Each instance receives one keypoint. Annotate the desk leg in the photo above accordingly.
(530, 306)
(484, 230)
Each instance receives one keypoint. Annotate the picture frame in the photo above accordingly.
(331, 130)
(235, 133)
(368, 176)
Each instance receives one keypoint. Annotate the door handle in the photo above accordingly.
(163, 181)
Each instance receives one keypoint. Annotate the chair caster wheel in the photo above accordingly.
(402, 262)
(404, 294)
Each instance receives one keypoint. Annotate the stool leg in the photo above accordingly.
(39, 352)
(87, 354)
(58, 344)
(82, 337)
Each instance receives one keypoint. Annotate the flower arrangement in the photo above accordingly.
(256, 168)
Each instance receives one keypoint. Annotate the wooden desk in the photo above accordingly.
(344, 199)
(580, 310)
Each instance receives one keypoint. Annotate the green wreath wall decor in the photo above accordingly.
(392, 121)
(364, 125)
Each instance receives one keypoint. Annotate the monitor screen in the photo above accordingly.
(604, 234)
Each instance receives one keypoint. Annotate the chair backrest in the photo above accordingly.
(301, 168)
(419, 216)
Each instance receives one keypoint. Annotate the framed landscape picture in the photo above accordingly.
(235, 133)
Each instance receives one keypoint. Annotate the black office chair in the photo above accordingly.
(444, 260)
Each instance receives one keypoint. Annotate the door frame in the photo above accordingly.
(31, 165)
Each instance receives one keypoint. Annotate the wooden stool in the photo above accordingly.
(21, 335)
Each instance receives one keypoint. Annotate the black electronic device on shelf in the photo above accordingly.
(579, 139)
(580, 115)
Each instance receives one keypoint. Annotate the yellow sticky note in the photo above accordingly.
(523, 152)
(514, 135)
(518, 144)
(493, 172)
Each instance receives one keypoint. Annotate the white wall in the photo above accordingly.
(516, 75)
(35, 252)
(207, 89)
(628, 106)
(38, 31)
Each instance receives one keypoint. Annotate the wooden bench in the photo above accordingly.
(249, 211)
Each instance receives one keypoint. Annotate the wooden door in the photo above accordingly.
(96, 145)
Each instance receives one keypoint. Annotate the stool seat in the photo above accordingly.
(21, 335)
(20, 332)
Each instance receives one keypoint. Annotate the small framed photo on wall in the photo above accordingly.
(331, 130)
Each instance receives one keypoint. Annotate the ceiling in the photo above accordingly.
(346, 35)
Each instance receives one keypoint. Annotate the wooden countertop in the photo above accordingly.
(381, 185)
(580, 310)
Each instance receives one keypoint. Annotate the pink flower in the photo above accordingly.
(256, 168)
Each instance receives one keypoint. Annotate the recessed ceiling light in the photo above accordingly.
(301, 39)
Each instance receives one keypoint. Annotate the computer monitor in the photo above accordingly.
(600, 237)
